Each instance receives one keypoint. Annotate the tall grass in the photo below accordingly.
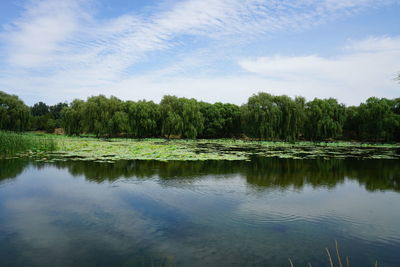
(11, 143)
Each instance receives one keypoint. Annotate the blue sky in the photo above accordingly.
(213, 50)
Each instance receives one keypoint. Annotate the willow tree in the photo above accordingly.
(14, 114)
(351, 129)
(325, 119)
(143, 118)
(104, 116)
(260, 116)
(72, 117)
(220, 120)
(292, 115)
(181, 117)
(231, 119)
(213, 123)
(193, 121)
(379, 119)
(273, 117)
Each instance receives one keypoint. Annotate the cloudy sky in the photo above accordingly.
(213, 50)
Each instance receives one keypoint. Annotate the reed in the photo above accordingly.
(12, 143)
(330, 260)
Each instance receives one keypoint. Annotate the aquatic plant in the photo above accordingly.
(331, 264)
(11, 143)
(113, 149)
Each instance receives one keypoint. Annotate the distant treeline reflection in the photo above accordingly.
(260, 172)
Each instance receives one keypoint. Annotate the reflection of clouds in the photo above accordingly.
(348, 207)
(59, 216)
(67, 214)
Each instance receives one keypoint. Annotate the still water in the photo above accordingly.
(212, 213)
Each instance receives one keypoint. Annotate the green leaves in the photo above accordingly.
(273, 117)
(14, 114)
(264, 117)
(325, 119)
(181, 117)
(379, 120)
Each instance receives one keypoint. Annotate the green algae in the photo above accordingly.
(110, 150)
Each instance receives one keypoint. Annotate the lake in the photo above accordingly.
(206, 213)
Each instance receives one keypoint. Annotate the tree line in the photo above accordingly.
(264, 116)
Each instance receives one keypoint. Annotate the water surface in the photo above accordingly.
(211, 213)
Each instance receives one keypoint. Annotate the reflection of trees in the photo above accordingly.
(99, 172)
(260, 172)
(283, 173)
(373, 174)
(11, 168)
(376, 174)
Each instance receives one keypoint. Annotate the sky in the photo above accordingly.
(212, 50)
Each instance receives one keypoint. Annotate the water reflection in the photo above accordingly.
(260, 172)
(209, 213)
(11, 168)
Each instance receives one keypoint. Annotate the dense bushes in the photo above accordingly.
(264, 116)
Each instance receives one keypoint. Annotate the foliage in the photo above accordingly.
(220, 120)
(14, 114)
(46, 118)
(379, 119)
(263, 117)
(71, 118)
(325, 119)
(143, 119)
(181, 117)
(11, 143)
(273, 117)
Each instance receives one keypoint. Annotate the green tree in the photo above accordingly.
(14, 114)
(379, 120)
(181, 117)
(273, 117)
(220, 120)
(104, 116)
(351, 125)
(40, 109)
(144, 118)
(46, 117)
(72, 117)
(260, 116)
(291, 120)
(325, 119)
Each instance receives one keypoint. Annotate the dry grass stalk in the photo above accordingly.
(338, 255)
(330, 258)
(291, 263)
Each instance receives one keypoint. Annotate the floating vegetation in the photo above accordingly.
(49, 147)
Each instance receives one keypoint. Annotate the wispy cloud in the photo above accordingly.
(37, 36)
(63, 46)
(364, 69)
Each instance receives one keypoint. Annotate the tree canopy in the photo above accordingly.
(14, 114)
(263, 116)
(273, 117)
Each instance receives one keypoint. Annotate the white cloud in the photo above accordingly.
(36, 36)
(366, 68)
(63, 47)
